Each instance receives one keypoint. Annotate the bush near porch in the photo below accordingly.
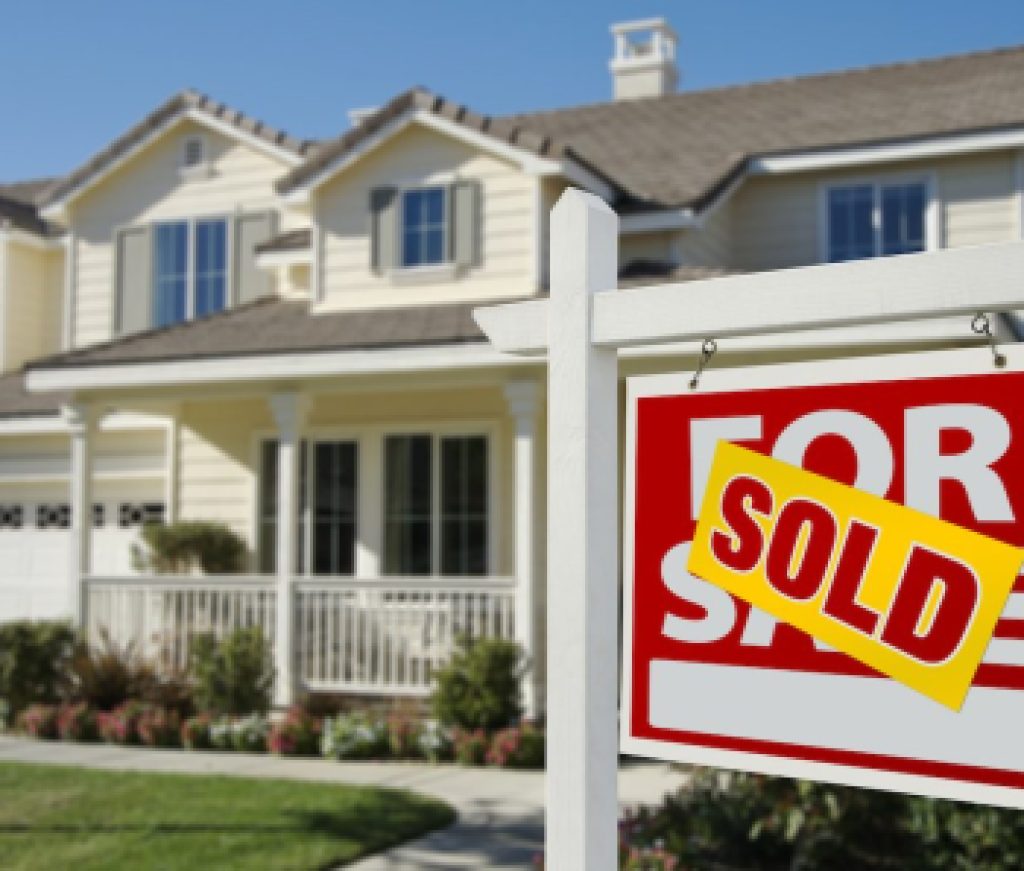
(105, 693)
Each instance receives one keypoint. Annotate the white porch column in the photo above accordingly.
(289, 410)
(522, 398)
(81, 422)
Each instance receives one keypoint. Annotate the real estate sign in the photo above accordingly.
(710, 679)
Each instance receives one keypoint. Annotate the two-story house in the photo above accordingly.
(222, 322)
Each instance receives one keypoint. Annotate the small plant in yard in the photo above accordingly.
(404, 728)
(470, 747)
(159, 728)
(298, 734)
(434, 741)
(5, 714)
(121, 726)
(179, 548)
(39, 721)
(195, 732)
(234, 675)
(519, 746)
(249, 734)
(105, 676)
(33, 659)
(354, 736)
(479, 687)
(222, 734)
(77, 722)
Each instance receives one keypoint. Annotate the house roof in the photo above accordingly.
(502, 130)
(18, 209)
(289, 240)
(179, 103)
(682, 149)
(15, 402)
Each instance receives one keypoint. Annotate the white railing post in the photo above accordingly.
(522, 398)
(81, 422)
(582, 576)
(289, 412)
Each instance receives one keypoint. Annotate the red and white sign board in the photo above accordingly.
(709, 680)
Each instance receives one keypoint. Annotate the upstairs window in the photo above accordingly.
(876, 220)
(424, 226)
(190, 270)
(193, 152)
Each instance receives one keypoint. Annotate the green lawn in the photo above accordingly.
(76, 818)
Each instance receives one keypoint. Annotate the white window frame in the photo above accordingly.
(932, 209)
(190, 288)
(369, 441)
(444, 265)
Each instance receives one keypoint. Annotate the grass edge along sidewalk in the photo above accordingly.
(52, 816)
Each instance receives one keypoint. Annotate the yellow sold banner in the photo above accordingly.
(912, 596)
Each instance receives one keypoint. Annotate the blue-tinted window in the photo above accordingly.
(868, 220)
(211, 266)
(170, 291)
(851, 232)
(903, 208)
(424, 227)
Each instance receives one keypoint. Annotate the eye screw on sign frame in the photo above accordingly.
(582, 328)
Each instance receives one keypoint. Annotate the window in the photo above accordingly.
(190, 266)
(875, 220)
(408, 504)
(333, 527)
(459, 516)
(56, 516)
(11, 516)
(424, 222)
(135, 514)
(193, 152)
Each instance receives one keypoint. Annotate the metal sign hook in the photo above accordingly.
(981, 325)
(707, 350)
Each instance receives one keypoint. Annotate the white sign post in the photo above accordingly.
(581, 328)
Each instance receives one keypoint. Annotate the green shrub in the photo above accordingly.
(249, 734)
(298, 734)
(121, 725)
(33, 660)
(469, 747)
(354, 736)
(105, 676)
(479, 687)
(39, 721)
(434, 741)
(77, 722)
(182, 547)
(519, 746)
(195, 732)
(159, 728)
(234, 675)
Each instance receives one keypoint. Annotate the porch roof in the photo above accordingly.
(282, 326)
(15, 401)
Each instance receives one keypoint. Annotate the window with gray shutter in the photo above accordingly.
(250, 230)
(464, 216)
(383, 229)
(134, 290)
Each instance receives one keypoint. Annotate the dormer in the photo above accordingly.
(644, 64)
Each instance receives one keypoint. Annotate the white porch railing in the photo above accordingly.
(159, 616)
(382, 636)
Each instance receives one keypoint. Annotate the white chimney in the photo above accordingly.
(645, 59)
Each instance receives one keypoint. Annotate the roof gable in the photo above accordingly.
(185, 105)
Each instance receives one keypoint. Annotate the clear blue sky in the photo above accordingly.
(78, 73)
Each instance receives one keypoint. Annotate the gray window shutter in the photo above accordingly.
(464, 218)
(384, 229)
(251, 282)
(134, 271)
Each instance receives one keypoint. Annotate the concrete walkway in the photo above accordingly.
(500, 813)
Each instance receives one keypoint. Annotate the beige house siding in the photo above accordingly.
(418, 156)
(712, 244)
(776, 220)
(149, 187)
(218, 450)
(32, 305)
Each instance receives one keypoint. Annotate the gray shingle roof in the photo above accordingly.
(15, 402)
(18, 209)
(501, 129)
(180, 102)
(680, 150)
(279, 326)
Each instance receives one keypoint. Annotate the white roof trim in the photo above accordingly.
(55, 210)
(526, 160)
(270, 367)
(55, 423)
(289, 257)
(836, 158)
(663, 219)
(44, 243)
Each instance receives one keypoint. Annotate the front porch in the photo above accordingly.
(382, 525)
